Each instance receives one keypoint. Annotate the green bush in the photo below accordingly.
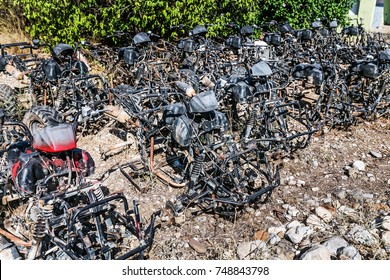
(71, 20)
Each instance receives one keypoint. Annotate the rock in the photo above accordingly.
(335, 243)
(301, 183)
(315, 222)
(386, 238)
(262, 235)
(277, 230)
(315, 164)
(315, 189)
(294, 223)
(317, 252)
(296, 234)
(386, 223)
(368, 196)
(180, 219)
(197, 246)
(353, 173)
(292, 211)
(349, 253)
(360, 235)
(291, 182)
(247, 250)
(376, 154)
(274, 239)
(324, 214)
(340, 194)
(359, 165)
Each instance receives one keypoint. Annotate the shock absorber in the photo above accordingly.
(196, 169)
(98, 193)
(251, 123)
(38, 233)
(47, 211)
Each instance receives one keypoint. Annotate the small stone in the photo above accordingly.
(349, 253)
(386, 238)
(315, 164)
(293, 224)
(197, 246)
(347, 211)
(292, 182)
(315, 222)
(359, 165)
(315, 189)
(386, 223)
(247, 250)
(180, 219)
(317, 252)
(262, 235)
(360, 235)
(353, 173)
(276, 230)
(335, 243)
(292, 211)
(376, 154)
(324, 214)
(340, 194)
(296, 234)
(274, 239)
(368, 196)
(301, 183)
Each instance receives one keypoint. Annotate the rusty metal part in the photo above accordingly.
(158, 173)
(15, 239)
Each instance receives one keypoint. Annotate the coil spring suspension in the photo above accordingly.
(197, 167)
(98, 192)
(47, 211)
(38, 230)
(251, 123)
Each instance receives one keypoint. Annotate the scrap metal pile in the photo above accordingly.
(207, 115)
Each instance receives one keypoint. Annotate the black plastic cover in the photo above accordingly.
(129, 55)
(173, 111)
(80, 67)
(216, 121)
(203, 102)
(313, 73)
(62, 49)
(285, 28)
(370, 70)
(234, 42)
(51, 69)
(141, 38)
(276, 39)
(351, 30)
(247, 30)
(183, 130)
(384, 55)
(187, 45)
(307, 35)
(260, 69)
(240, 92)
(3, 63)
(316, 24)
(200, 30)
(26, 172)
(324, 32)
